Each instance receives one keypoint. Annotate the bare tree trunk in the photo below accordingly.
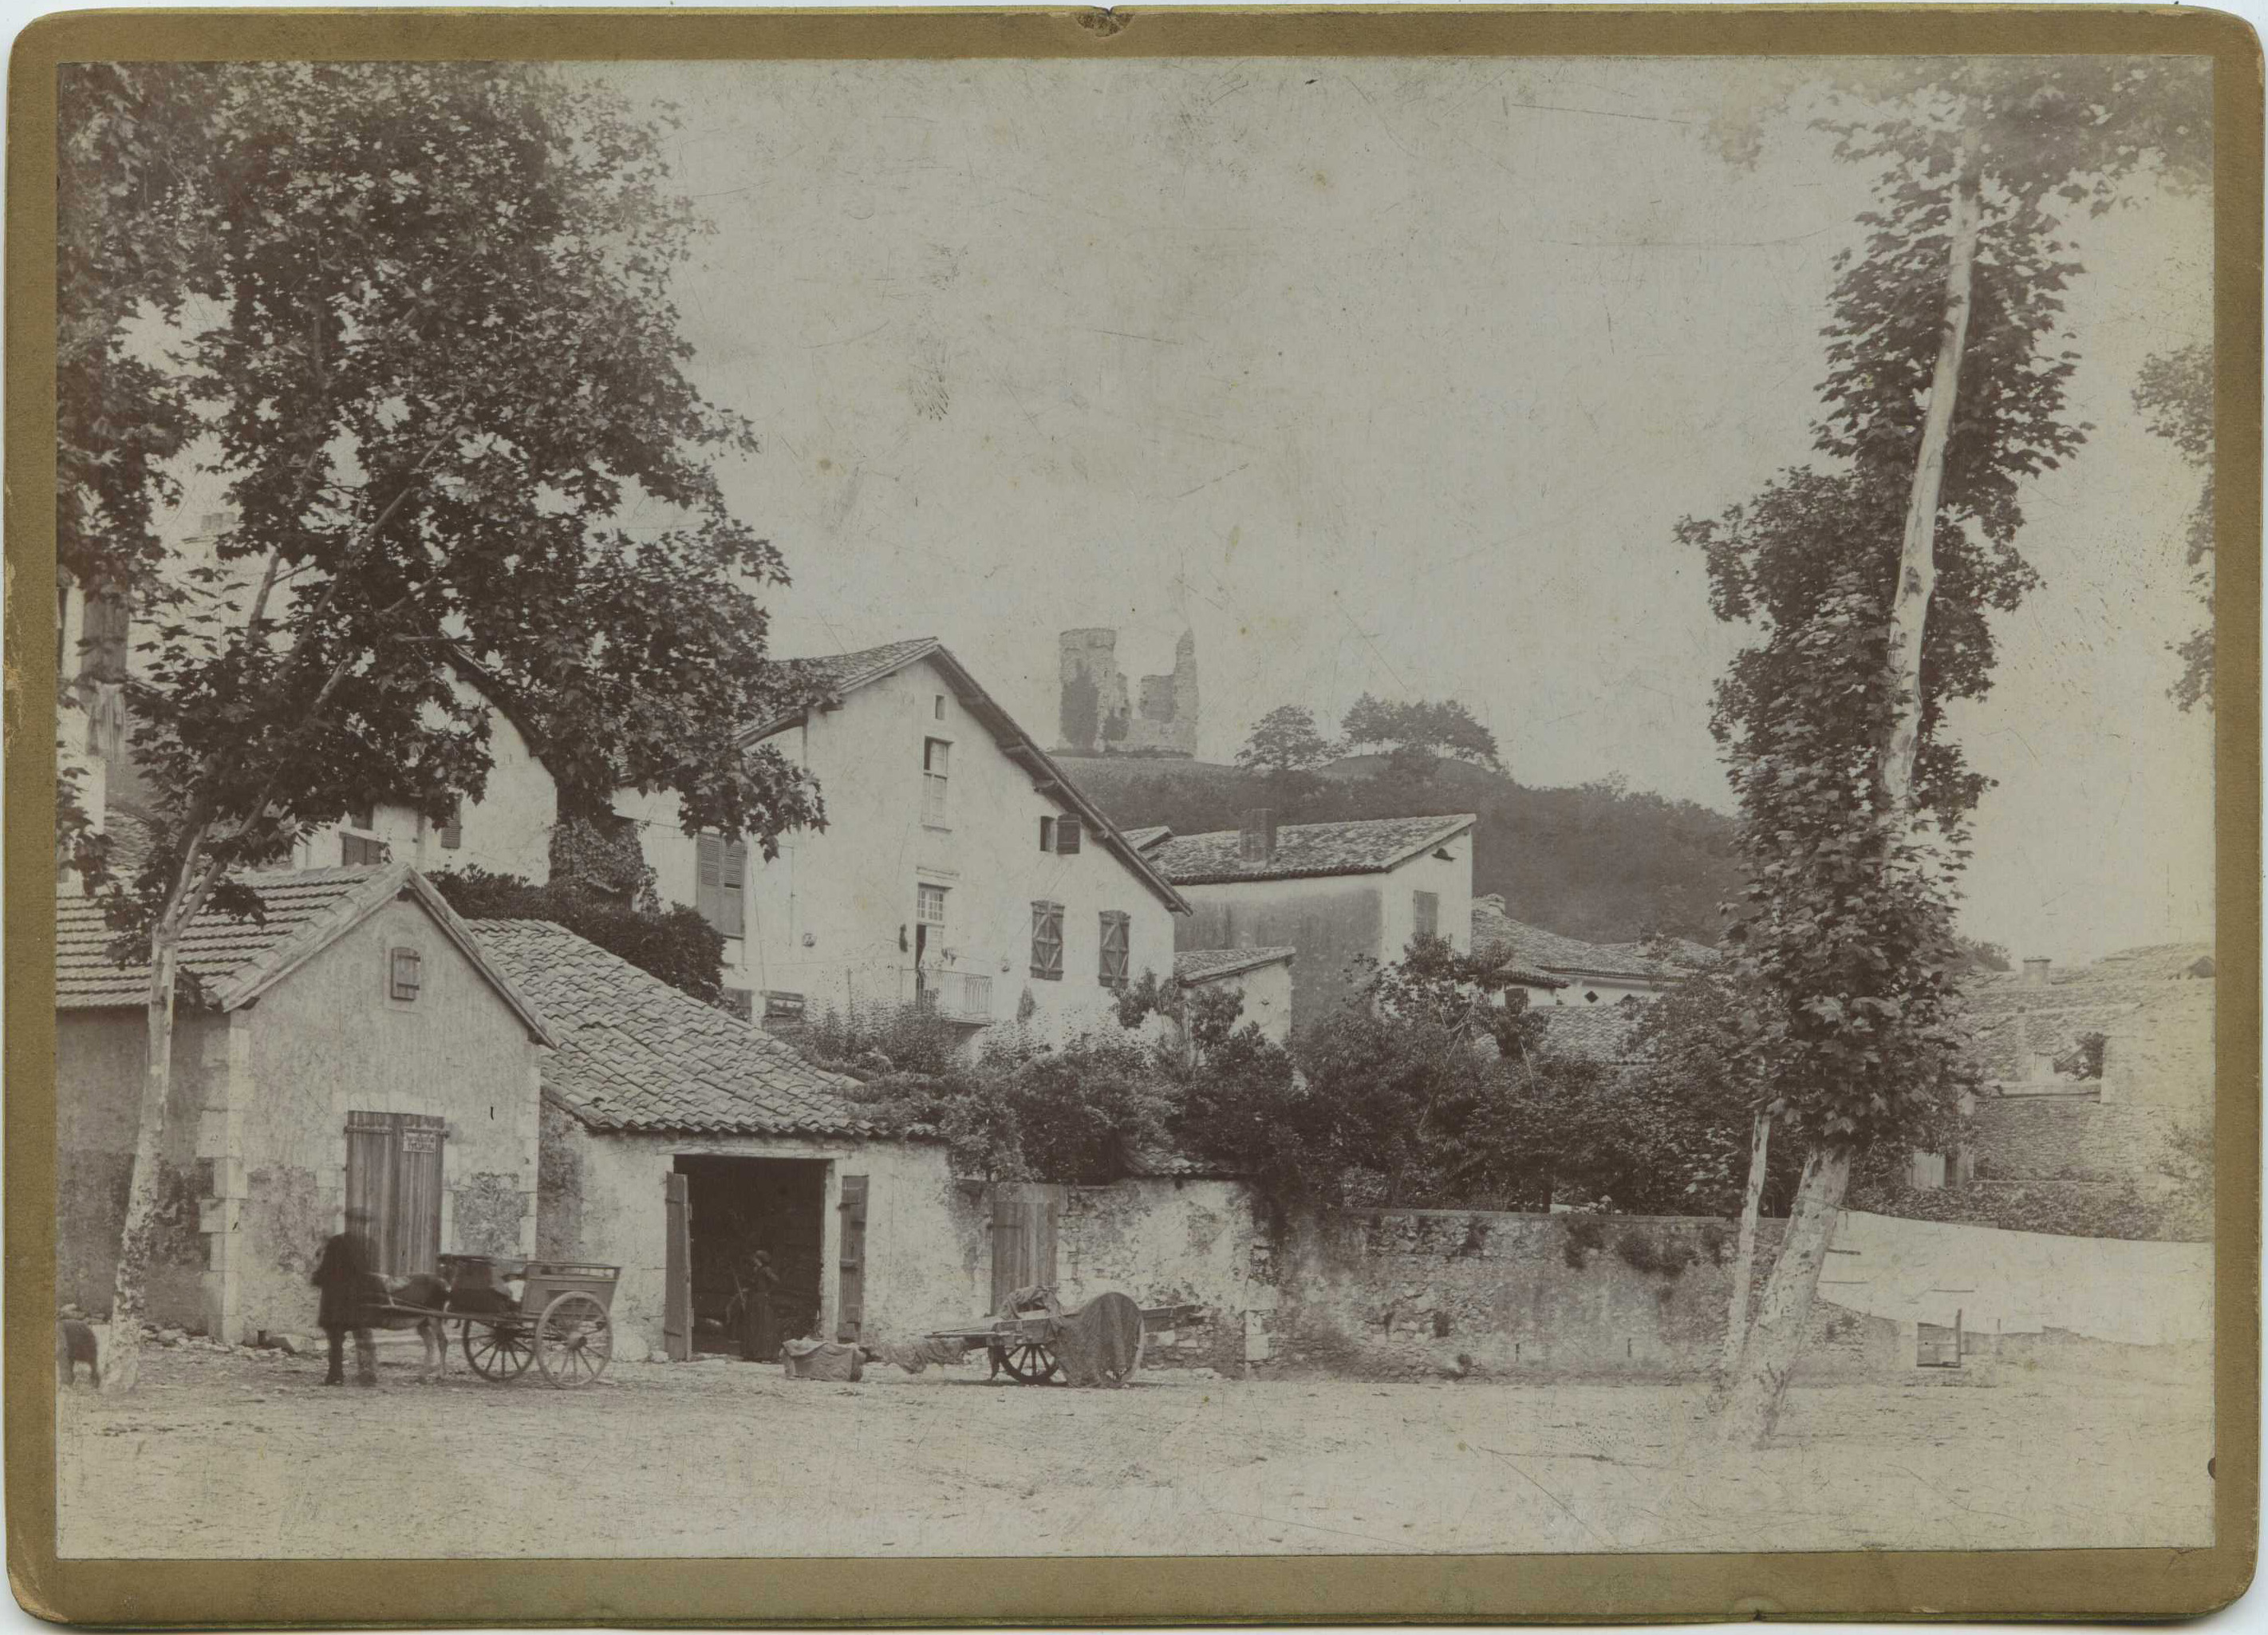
(1744, 1258)
(1776, 1339)
(1917, 579)
(121, 1357)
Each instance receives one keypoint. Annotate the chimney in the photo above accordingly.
(2035, 972)
(1257, 842)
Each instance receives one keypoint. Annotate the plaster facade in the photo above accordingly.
(834, 919)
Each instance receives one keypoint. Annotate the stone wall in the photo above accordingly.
(2070, 1138)
(1428, 1294)
(1167, 1242)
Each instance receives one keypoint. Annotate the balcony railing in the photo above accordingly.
(956, 996)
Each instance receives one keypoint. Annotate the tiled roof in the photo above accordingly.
(1591, 1033)
(635, 1054)
(1196, 965)
(1365, 846)
(235, 961)
(837, 673)
(1143, 839)
(131, 839)
(2017, 1019)
(1539, 949)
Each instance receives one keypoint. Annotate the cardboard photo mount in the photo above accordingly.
(1448, 1588)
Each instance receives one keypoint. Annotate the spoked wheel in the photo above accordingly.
(574, 1342)
(1029, 1363)
(499, 1352)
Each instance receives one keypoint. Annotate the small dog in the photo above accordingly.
(75, 1344)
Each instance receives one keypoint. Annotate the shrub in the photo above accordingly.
(1643, 1251)
(1585, 1233)
(675, 944)
(884, 1038)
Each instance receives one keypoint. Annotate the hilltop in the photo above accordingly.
(1598, 862)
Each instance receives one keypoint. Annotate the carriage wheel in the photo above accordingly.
(497, 1353)
(574, 1342)
(1030, 1363)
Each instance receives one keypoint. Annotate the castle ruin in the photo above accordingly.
(1098, 717)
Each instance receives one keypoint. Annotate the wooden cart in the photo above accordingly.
(1023, 1346)
(561, 1322)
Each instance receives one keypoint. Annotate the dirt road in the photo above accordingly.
(228, 1455)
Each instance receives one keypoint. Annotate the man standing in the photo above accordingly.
(343, 1272)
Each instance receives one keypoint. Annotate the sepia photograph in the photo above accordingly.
(1170, 807)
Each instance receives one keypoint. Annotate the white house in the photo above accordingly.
(960, 869)
(1261, 978)
(1335, 892)
(506, 831)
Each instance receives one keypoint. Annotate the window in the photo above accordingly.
(453, 829)
(393, 1173)
(930, 910)
(1117, 935)
(1590, 996)
(1047, 941)
(360, 852)
(937, 709)
(718, 891)
(936, 758)
(1047, 834)
(405, 974)
(1066, 836)
(783, 1007)
(1426, 910)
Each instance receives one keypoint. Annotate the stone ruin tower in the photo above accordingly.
(1099, 718)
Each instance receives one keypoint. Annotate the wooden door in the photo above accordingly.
(677, 1268)
(1024, 1214)
(850, 1306)
(393, 1176)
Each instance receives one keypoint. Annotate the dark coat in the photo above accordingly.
(343, 1272)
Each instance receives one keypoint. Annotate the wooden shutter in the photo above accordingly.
(850, 1308)
(1047, 941)
(1023, 1236)
(733, 890)
(370, 1154)
(1116, 954)
(1425, 908)
(677, 1268)
(1067, 836)
(453, 829)
(416, 1234)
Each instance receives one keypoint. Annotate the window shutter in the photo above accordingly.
(452, 831)
(732, 890)
(1047, 834)
(1115, 964)
(1066, 836)
(708, 888)
(1047, 941)
(1426, 911)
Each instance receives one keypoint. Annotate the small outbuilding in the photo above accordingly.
(678, 1140)
(355, 1047)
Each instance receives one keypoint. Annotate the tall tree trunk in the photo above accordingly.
(1776, 1340)
(121, 1358)
(1917, 579)
(1744, 1258)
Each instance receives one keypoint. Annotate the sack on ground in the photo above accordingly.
(820, 1359)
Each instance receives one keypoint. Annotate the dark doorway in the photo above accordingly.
(735, 1207)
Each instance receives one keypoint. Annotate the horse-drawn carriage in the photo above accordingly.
(560, 1320)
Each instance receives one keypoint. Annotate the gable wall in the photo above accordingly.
(824, 918)
(328, 1040)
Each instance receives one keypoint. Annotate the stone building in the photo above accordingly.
(1099, 718)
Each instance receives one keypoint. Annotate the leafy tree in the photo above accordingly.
(1976, 958)
(1285, 750)
(2175, 392)
(676, 944)
(1869, 585)
(434, 359)
(1416, 735)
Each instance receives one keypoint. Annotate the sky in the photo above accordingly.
(1394, 377)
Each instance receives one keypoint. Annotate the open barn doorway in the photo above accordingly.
(734, 1207)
